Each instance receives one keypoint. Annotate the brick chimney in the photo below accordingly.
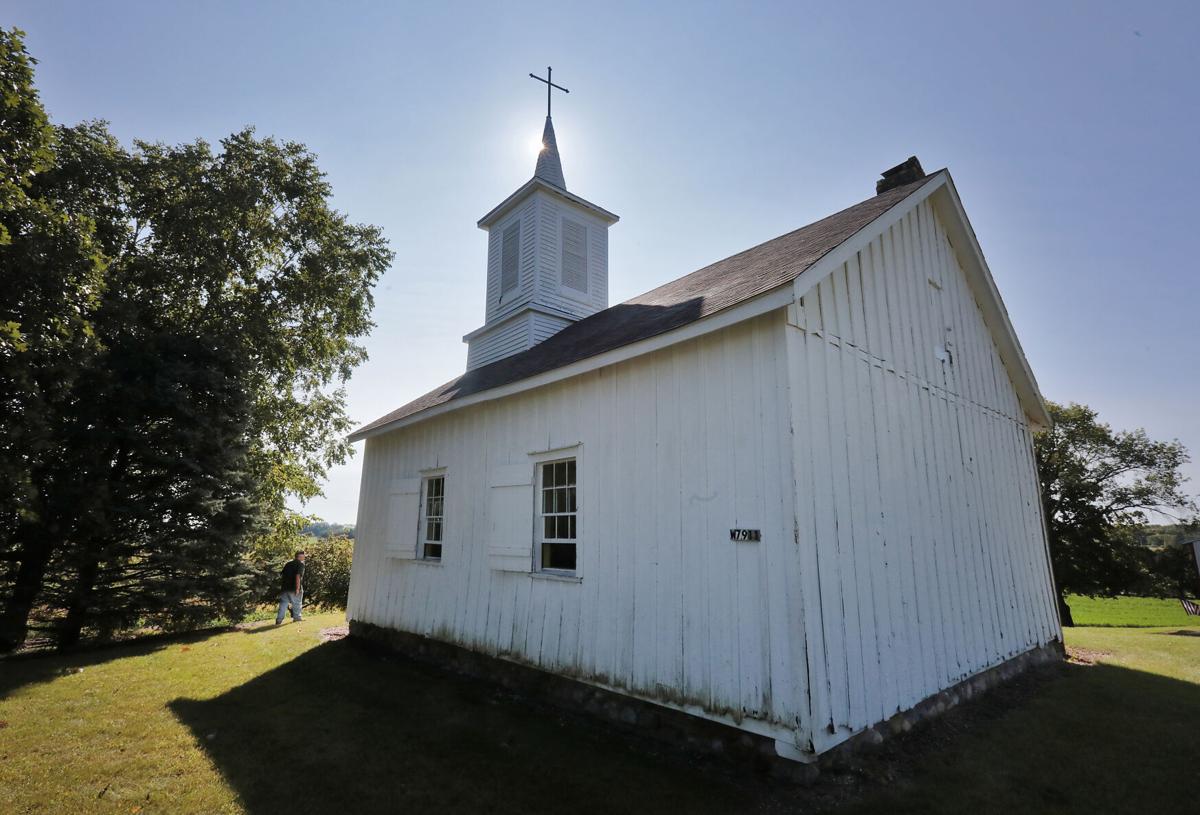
(904, 173)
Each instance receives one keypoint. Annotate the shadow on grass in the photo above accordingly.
(19, 670)
(1101, 739)
(340, 729)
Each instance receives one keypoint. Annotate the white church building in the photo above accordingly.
(792, 492)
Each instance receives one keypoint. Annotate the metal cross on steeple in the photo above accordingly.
(549, 86)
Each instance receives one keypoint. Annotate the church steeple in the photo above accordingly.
(549, 165)
(547, 258)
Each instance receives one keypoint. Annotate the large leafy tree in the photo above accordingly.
(1098, 486)
(52, 278)
(229, 303)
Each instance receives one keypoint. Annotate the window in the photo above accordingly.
(510, 257)
(574, 256)
(557, 529)
(432, 508)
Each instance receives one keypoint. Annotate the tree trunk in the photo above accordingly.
(1064, 611)
(77, 608)
(34, 552)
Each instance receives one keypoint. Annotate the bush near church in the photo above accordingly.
(326, 570)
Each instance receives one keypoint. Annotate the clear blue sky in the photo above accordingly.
(1071, 130)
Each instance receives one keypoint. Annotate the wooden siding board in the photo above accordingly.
(902, 545)
(925, 574)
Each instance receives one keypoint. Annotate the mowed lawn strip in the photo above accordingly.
(272, 719)
(244, 721)
(1113, 737)
(1148, 612)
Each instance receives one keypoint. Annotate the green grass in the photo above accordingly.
(1118, 736)
(272, 719)
(1124, 612)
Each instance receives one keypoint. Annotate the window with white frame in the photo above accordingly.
(433, 498)
(558, 509)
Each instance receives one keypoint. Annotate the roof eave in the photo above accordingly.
(779, 297)
(535, 183)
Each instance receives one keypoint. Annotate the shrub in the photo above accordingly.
(326, 572)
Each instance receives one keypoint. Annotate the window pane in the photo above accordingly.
(571, 500)
(571, 472)
(548, 527)
(548, 475)
(571, 533)
(433, 550)
(560, 473)
(558, 556)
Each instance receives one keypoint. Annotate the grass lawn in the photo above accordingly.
(273, 719)
(1128, 611)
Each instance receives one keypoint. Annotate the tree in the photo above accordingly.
(52, 275)
(224, 321)
(1097, 487)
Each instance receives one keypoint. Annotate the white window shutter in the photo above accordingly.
(404, 509)
(510, 516)
(574, 255)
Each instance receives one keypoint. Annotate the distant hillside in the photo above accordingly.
(325, 529)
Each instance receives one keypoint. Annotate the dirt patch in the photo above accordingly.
(1085, 656)
(335, 633)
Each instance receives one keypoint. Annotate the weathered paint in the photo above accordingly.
(539, 283)
(870, 431)
(917, 517)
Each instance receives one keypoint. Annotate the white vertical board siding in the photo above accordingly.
(674, 448)
(921, 550)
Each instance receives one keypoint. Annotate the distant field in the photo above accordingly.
(1128, 612)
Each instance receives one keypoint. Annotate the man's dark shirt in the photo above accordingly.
(290, 572)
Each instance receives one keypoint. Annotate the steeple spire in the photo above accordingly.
(549, 165)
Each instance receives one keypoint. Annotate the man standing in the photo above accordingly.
(292, 592)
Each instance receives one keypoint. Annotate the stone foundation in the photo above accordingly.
(693, 734)
(940, 702)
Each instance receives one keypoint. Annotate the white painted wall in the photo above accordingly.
(918, 518)
(675, 448)
(870, 431)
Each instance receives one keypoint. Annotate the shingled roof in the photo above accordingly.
(673, 305)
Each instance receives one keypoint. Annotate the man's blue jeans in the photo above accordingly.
(293, 598)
